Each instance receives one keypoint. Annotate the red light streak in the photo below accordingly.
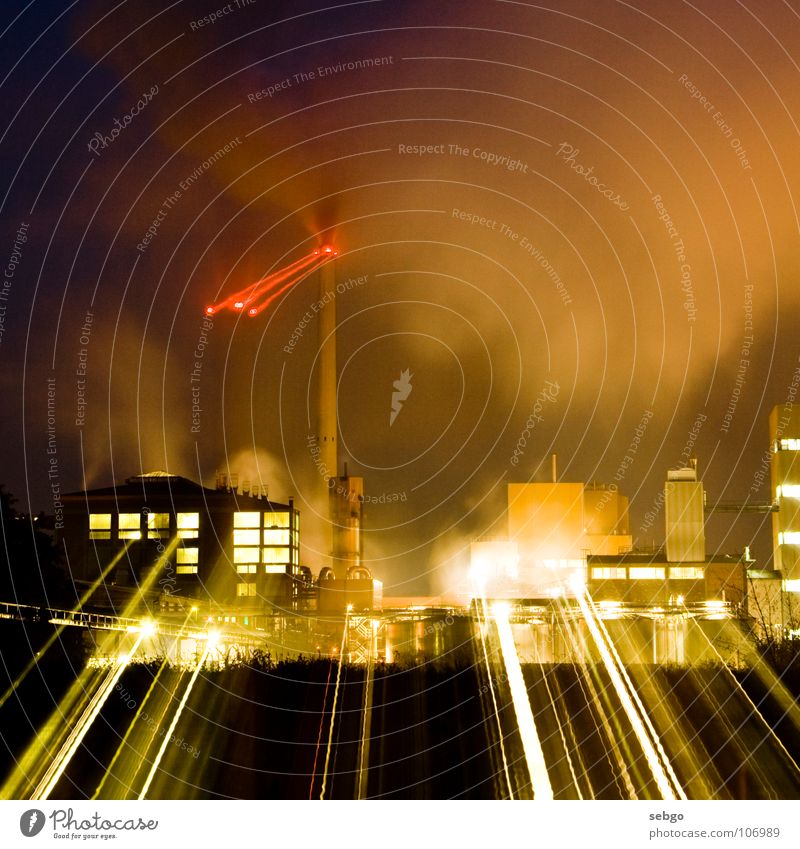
(273, 284)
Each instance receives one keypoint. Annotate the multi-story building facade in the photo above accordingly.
(233, 550)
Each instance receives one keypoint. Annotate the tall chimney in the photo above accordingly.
(326, 412)
(327, 435)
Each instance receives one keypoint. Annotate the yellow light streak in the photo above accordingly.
(482, 634)
(139, 712)
(662, 782)
(62, 759)
(534, 756)
(175, 718)
(333, 707)
(635, 696)
(63, 624)
(50, 735)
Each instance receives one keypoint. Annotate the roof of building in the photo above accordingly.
(159, 484)
(660, 557)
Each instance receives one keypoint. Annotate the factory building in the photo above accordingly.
(784, 432)
(232, 549)
(559, 531)
(680, 573)
(555, 526)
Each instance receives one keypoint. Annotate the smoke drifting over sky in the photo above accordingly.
(595, 197)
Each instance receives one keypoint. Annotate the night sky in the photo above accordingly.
(580, 214)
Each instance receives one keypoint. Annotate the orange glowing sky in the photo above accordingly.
(602, 195)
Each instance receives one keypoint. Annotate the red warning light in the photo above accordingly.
(258, 295)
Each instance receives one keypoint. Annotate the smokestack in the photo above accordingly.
(327, 435)
(554, 462)
(326, 412)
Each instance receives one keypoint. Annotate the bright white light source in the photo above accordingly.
(522, 705)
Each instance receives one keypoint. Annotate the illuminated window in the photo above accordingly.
(789, 538)
(790, 445)
(99, 526)
(608, 573)
(158, 525)
(246, 537)
(686, 573)
(275, 568)
(188, 555)
(274, 555)
(246, 520)
(247, 568)
(130, 526)
(186, 569)
(295, 556)
(647, 573)
(188, 525)
(245, 555)
(791, 586)
(276, 520)
(277, 537)
(245, 590)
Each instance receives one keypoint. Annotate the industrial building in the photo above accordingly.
(561, 532)
(233, 549)
(680, 573)
(784, 433)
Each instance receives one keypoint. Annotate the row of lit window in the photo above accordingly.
(247, 526)
(790, 445)
(788, 490)
(255, 519)
(131, 525)
(269, 568)
(789, 537)
(251, 554)
(275, 536)
(647, 573)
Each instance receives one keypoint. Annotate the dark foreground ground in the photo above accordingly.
(263, 730)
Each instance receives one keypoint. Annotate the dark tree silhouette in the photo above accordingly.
(30, 564)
